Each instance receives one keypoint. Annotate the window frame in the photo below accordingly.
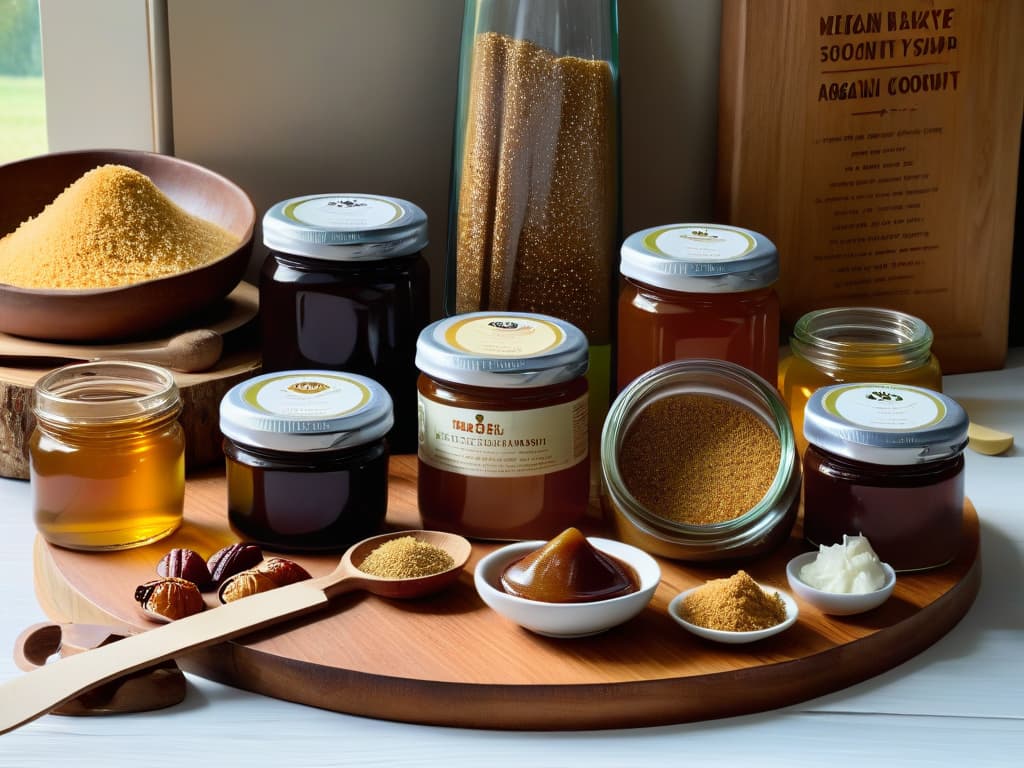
(106, 74)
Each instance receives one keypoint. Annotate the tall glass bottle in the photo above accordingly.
(534, 206)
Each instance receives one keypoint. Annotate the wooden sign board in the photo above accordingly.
(876, 142)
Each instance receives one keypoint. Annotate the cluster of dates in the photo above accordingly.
(235, 571)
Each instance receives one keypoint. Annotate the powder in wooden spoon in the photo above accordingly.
(112, 227)
(406, 558)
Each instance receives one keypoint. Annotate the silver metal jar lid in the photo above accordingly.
(345, 227)
(888, 424)
(306, 410)
(502, 349)
(700, 258)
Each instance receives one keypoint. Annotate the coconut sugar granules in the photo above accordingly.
(406, 558)
(698, 460)
(537, 207)
(112, 227)
(736, 604)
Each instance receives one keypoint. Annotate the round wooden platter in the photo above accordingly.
(450, 660)
(201, 391)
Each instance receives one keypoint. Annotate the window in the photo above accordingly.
(22, 96)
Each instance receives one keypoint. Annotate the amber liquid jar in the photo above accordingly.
(698, 291)
(886, 461)
(855, 344)
(307, 459)
(503, 425)
(346, 288)
(107, 457)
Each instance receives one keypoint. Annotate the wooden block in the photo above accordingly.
(201, 392)
(877, 144)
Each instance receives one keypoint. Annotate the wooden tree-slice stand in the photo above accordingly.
(201, 391)
(450, 660)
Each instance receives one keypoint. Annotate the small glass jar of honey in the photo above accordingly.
(698, 291)
(307, 459)
(886, 461)
(107, 457)
(851, 344)
(502, 425)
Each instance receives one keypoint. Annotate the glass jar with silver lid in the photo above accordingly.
(886, 461)
(503, 425)
(346, 288)
(307, 458)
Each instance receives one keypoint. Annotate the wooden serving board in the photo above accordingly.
(450, 660)
(201, 392)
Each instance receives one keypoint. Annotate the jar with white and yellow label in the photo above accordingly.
(502, 425)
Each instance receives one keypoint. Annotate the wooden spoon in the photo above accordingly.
(36, 693)
(191, 351)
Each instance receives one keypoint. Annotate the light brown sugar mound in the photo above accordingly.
(699, 460)
(112, 227)
(736, 604)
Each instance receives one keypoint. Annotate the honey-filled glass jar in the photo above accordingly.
(306, 459)
(698, 291)
(107, 457)
(886, 461)
(502, 425)
(855, 344)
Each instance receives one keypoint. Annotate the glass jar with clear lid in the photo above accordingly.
(851, 344)
(503, 425)
(107, 456)
(710, 386)
(346, 288)
(698, 291)
(886, 461)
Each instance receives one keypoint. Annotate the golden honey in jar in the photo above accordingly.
(107, 457)
(855, 344)
(698, 291)
(502, 425)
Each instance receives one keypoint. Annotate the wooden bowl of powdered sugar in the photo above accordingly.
(104, 245)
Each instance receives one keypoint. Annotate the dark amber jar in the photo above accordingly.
(503, 425)
(886, 461)
(346, 288)
(307, 460)
(697, 291)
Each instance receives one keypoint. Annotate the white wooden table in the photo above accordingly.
(960, 702)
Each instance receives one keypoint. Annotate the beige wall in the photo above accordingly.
(289, 98)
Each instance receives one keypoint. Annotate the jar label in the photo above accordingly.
(885, 406)
(504, 336)
(700, 244)
(306, 395)
(483, 443)
(344, 212)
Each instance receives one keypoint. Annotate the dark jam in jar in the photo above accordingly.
(503, 425)
(307, 460)
(698, 291)
(886, 461)
(307, 502)
(346, 288)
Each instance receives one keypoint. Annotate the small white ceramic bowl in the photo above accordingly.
(836, 603)
(675, 609)
(566, 619)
